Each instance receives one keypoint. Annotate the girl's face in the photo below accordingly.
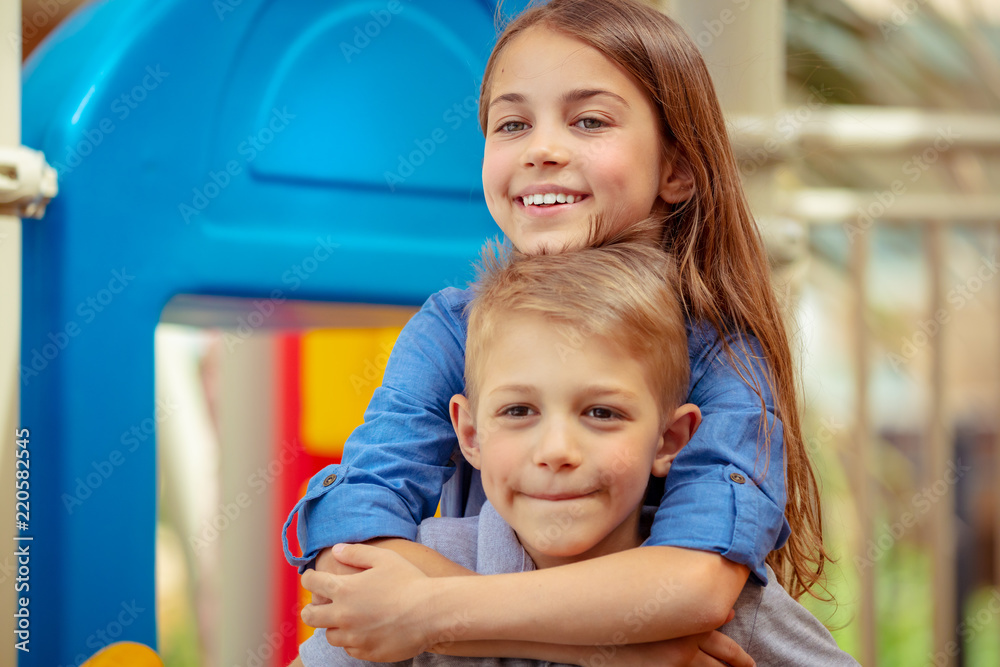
(569, 135)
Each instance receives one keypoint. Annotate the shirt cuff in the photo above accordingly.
(364, 509)
(727, 514)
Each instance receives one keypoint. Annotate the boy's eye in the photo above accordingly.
(590, 123)
(602, 413)
(516, 411)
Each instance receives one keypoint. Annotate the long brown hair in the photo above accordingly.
(720, 257)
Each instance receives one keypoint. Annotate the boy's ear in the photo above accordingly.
(676, 180)
(465, 428)
(676, 433)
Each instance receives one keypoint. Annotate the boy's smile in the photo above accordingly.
(565, 437)
(569, 135)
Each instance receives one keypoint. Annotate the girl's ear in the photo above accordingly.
(676, 433)
(465, 428)
(676, 180)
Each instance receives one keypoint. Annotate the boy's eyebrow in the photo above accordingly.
(572, 96)
(603, 390)
(515, 388)
(588, 390)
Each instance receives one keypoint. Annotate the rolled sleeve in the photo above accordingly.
(726, 489)
(396, 463)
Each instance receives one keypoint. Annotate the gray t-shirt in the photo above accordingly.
(772, 627)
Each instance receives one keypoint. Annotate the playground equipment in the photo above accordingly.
(278, 152)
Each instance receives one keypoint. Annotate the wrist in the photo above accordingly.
(448, 617)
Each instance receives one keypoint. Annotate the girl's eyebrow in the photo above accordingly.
(586, 94)
(570, 97)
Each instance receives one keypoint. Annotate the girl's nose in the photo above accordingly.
(545, 148)
(557, 448)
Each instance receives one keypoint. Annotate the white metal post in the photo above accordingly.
(10, 316)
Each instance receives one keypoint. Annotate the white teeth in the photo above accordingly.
(550, 198)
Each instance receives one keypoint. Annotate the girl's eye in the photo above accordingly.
(590, 123)
(513, 126)
(602, 413)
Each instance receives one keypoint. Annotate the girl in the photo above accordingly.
(590, 109)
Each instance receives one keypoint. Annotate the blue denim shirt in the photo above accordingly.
(725, 492)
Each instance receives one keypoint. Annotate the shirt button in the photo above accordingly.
(736, 477)
(330, 479)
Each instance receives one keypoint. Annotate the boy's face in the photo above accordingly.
(565, 436)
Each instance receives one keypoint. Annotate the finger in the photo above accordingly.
(730, 616)
(318, 616)
(361, 556)
(320, 583)
(327, 562)
(725, 649)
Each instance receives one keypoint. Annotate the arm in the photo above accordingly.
(709, 649)
(632, 606)
(395, 464)
(392, 611)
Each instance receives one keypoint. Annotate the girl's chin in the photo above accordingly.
(552, 242)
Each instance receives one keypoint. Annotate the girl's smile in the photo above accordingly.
(569, 135)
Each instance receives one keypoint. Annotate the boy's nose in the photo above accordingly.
(557, 448)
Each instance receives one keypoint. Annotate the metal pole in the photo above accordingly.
(10, 318)
(862, 459)
(940, 453)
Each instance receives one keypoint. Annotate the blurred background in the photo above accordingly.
(868, 134)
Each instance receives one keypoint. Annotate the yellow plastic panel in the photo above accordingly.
(340, 370)
(125, 654)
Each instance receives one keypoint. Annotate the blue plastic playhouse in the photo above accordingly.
(211, 148)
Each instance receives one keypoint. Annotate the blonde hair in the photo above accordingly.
(620, 287)
(723, 270)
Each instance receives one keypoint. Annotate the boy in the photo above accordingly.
(576, 373)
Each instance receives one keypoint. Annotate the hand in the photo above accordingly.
(379, 614)
(708, 649)
(327, 562)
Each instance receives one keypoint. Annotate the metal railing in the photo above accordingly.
(871, 132)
